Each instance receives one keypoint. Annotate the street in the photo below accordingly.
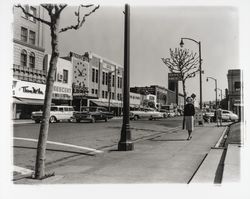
(99, 135)
(87, 153)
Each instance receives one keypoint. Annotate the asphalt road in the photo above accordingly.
(94, 136)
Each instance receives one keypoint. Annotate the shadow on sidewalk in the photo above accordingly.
(167, 140)
(56, 150)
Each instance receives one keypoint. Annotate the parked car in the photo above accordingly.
(92, 114)
(57, 113)
(147, 113)
(229, 116)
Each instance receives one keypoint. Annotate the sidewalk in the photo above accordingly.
(166, 158)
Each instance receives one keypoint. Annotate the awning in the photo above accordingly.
(105, 104)
(17, 100)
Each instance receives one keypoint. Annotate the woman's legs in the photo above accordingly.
(189, 134)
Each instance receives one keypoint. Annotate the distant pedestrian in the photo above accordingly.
(219, 115)
(189, 112)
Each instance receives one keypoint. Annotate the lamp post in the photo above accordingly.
(109, 87)
(220, 93)
(125, 143)
(199, 43)
(215, 80)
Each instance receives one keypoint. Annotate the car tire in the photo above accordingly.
(106, 119)
(52, 119)
(92, 120)
(150, 118)
(78, 120)
(71, 119)
(136, 117)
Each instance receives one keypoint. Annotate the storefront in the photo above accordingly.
(27, 97)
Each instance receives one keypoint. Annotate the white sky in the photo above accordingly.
(154, 30)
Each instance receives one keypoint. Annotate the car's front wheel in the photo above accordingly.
(136, 117)
(52, 119)
(92, 120)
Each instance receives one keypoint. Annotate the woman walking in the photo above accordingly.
(189, 116)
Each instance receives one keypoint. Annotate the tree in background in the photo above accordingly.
(54, 11)
(184, 62)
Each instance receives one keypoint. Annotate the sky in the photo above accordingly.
(154, 30)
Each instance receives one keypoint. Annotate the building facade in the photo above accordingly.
(96, 81)
(163, 95)
(28, 75)
(235, 94)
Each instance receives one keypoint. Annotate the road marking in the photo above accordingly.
(61, 144)
(22, 170)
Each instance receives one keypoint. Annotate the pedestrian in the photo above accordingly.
(219, 115)
(189, 112)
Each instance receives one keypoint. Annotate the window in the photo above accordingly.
(24, 34)
(93, 75)
(113, 81)
(96, 76)
(93, 91)
(96, 91)
(32, 60)
(118, 82)
(26, 7)
(106, 94)
(23, 58)
(237, 86)
(103, 78)
(102, 94)
(65, 76)
(33, 12)
(113, 96)
(32, 37)
(106, 82)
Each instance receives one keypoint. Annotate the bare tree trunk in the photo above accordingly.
(185, 96)
(43, 135)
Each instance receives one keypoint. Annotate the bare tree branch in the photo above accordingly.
(80, 21)
(30, 15)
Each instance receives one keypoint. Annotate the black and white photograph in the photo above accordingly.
(123, 94)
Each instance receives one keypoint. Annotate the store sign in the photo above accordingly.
(174, 76)
(30, 90)
(60, 92)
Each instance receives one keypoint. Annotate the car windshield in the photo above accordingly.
(53, 108)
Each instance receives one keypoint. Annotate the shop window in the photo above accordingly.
(32, 37)
(65, 76)
(32, 60)
(24, 34)
(23, 58)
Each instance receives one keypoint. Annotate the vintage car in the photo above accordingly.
(229, 116)
(147, 113)
(92, 114)
(57, 113)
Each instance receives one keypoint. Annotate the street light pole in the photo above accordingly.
(125, 143)
(220, 93)
(200, 69)
(215, 80)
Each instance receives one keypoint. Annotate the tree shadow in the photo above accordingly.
(56, 150)
(167, 140)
